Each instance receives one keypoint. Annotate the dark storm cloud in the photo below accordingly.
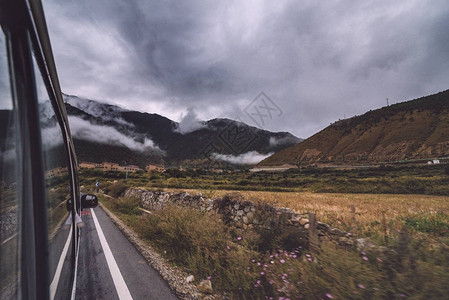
(318, 61)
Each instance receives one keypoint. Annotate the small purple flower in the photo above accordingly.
(329, 296)
(365, 258)
(309, 258)
(239, 238)
(402, 295)
(258, 263)
(361, 286)
(253, 260)
(363, 253)
(227, 247)
(294, 256)
(271, 261)
(282, 261)
(262, 273)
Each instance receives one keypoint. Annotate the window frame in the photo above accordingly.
(25, 31)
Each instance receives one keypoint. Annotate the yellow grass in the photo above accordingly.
(335, 209)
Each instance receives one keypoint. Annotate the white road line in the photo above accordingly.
(8, 239)
(55, 281)
(76, 268)
(119, 282)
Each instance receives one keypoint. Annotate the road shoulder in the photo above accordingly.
(174, 277)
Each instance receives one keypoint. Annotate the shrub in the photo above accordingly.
(432, 223)
(199, 242)
(127, 205)
(116, 189)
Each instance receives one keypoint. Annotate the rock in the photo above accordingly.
(190, 279)
(205, 287)
(336, 231)
(236, 206)
(363, 244)
(345, 241)
(246, 209)
(296, 219)
(303, 221)
(306, 226)
(250, 215)
(240, 213)
(245, 220)
(322, 226)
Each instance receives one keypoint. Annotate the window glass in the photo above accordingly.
(57, 181)
(9, 204)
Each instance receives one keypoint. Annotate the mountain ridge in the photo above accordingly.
(157, 139)
(415, 129)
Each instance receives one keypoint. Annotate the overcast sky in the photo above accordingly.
(318, 61)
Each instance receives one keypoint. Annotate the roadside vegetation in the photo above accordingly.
(406, 255)
(431, 180)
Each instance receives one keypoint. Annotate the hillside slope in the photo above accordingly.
(415, 129)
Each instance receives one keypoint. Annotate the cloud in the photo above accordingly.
(317, 61)
(51, 137)
(281, 141)
(189, 122)
(85, 130)
(248, 158)
(98, 109)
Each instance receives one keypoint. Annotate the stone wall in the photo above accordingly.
(235, 209)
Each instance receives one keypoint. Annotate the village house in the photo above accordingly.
(87, 165)
(129, 168)
(156, 168)
(56, 172)
(107, 166)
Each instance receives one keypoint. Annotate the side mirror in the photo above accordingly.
(89, 201)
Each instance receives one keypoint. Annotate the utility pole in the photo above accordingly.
(387, 102)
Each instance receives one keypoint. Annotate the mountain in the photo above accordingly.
(417, 129)
(104, 132)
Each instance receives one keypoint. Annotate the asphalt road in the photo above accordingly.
(130, 277)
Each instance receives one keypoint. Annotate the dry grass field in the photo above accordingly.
(335, 209)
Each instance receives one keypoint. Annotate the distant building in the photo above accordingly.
(279, 168)
(87, 165)
(107, 166)
(129, 168)
(436, 161)
(56, 172)
(156, 168)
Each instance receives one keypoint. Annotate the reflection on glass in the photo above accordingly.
(57, 187)
(9, 218)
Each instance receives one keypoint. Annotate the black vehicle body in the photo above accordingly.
(42, 175)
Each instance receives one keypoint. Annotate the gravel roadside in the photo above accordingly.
(173, 276)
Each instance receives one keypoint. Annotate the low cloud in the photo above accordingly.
(248, 158)
(104, 111)
(190, 122)
(282, 141)
(52, 137)
(85, 130)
